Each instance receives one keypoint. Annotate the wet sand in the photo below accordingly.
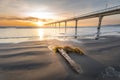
(34, 61)
(29, 61)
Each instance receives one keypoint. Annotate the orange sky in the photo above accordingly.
(37, 12)
(16, 23)
(32, 22)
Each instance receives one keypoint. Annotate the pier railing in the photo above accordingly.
(100, 11)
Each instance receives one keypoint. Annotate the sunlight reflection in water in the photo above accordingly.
(41, 34)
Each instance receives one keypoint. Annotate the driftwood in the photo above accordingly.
(76, 67)
(72, 63)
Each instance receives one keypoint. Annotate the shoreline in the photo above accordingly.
(22, 60)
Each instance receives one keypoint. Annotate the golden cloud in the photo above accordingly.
(32, 19)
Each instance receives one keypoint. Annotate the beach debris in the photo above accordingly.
(64, 52)
(69, 49)
(72, 63)
(110, 73)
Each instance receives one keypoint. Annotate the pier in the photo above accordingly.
(100, 14)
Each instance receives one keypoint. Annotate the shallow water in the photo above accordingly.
(14, 35)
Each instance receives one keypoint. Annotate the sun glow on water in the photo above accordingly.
(41, 33)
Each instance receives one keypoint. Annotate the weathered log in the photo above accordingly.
(72, 63)
(76, 67)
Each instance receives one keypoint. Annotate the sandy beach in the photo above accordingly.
(35, 61)
(59, 39)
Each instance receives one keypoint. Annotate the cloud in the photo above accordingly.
(32, 19)
(64, 8)
(58, 6)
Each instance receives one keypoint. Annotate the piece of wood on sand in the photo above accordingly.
(76, 67)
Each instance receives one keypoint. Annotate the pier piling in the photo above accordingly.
(59, 27)
(76, 25)
(55, 24)
(65, 25)
(99, 27)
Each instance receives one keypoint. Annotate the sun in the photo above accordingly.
(39, 23)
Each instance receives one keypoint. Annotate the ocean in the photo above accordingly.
(16, 35)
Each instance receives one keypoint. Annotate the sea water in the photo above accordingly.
(15, 35)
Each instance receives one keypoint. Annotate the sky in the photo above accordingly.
(38, 12)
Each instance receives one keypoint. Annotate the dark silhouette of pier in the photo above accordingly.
(100, 14)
